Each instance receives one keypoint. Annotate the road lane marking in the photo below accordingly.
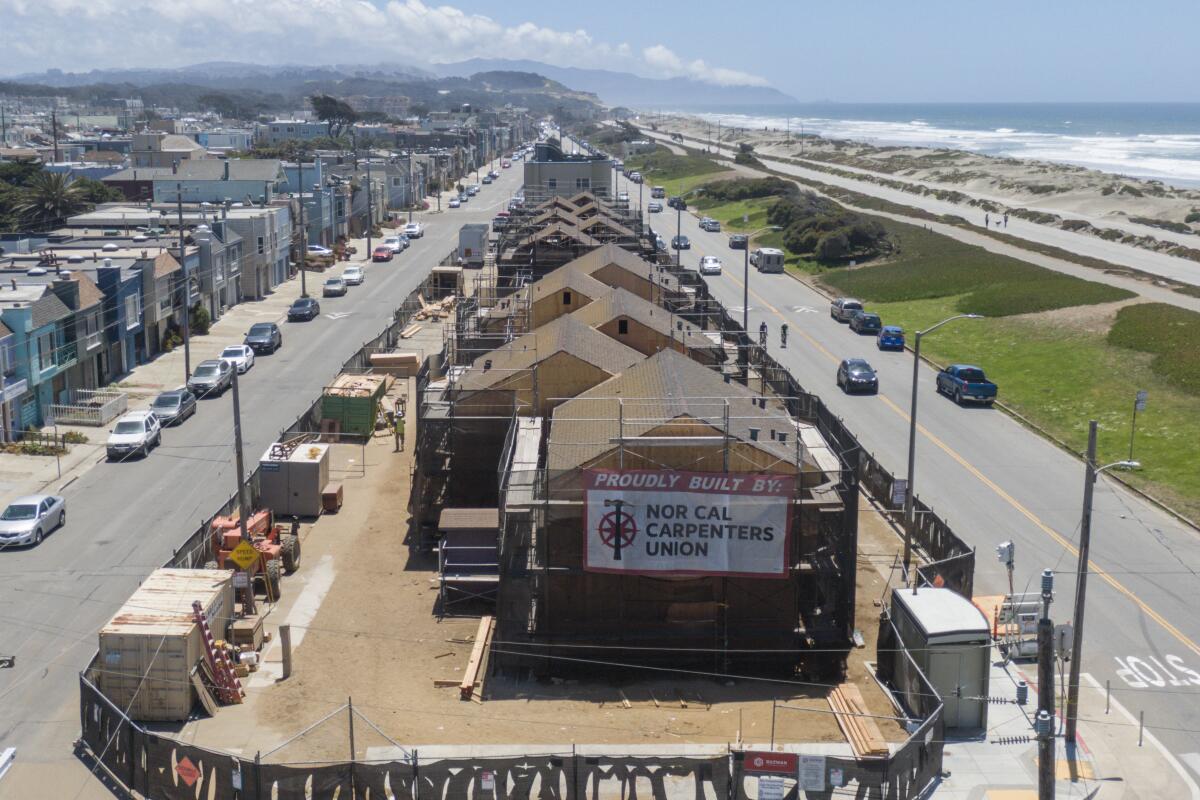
(1012, 501)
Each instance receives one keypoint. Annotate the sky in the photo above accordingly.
(847, 50)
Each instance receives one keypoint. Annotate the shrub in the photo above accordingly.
(747, 160)
(1031, 296)
(747, 189)
(1167, 331)
(1075, 225)
(832, 247)
(1192, 217)
(199, 320)
(75, 437)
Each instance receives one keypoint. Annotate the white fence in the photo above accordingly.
(89, 407)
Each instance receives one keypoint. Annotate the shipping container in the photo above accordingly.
(291, 479)
(352, 401)
(151, 646)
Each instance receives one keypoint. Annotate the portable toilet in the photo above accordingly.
(950, 641)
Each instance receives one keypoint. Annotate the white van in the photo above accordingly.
(767, 259)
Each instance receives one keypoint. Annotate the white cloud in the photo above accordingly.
(79, 35)
(666, 61)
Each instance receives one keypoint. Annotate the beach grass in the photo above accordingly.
(927, 265)
(675, 173)
(1059, 375)
(1169, 333)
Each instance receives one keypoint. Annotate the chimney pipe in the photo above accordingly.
(226, 169)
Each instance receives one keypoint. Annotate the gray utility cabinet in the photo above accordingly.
(949, 639)
(291, 480)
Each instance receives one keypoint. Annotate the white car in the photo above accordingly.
(318, 250)
(394, 243)
(28, 519)
(135, 433)
(353, 276)
(239, 356)
(710, 265)
(454, 202)
(413, 230)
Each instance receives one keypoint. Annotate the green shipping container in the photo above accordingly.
(353, 402)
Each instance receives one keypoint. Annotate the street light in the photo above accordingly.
(909, 521)
(746, 276)
(1091, 474)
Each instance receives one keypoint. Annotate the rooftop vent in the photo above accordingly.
(108, 248)
(33, 273)
(75, 259)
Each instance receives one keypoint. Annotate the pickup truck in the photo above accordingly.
(964, 382)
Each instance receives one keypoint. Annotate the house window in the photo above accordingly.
(133, 311)
(91, 327)
(260, 245)
(622, 327)
(397, 181)
(552, 183)
(566, 298)
(583, 183)
(46, 350)
(8, 356)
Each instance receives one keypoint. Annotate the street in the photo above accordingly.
(127, 517)
(993, 480)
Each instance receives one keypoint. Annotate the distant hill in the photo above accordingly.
(627, 89)
(223, 75)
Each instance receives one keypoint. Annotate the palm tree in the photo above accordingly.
(47, 199)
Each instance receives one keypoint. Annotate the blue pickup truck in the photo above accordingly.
(964, 383)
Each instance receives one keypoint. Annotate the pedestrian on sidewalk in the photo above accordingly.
(398, 431)
(783, 336)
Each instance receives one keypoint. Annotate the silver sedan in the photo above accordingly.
(28, 519)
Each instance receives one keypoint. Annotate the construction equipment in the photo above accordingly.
(279, 552)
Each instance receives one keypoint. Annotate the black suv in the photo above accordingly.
(739, 241)
(677, 202)
(865, 322)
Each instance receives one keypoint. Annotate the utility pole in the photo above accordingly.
(1045, 716)
(412, 198)
(303, 232)
(54, 131)
(370, 206)
(243, 504)
(187, 290)
(1081, 574)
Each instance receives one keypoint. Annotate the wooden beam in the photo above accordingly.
(478, 652)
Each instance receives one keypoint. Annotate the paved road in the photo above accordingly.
(126, 518)
(1178, 269)
(994, 480)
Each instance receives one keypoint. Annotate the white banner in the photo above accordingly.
(687, 523)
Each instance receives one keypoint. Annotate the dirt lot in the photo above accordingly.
(374, 637)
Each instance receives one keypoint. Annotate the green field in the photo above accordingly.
(1061, 376)
(677, 174)
(1168, 332)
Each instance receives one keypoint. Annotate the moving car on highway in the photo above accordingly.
(135, 433)
(413, 230)
(173, 407)
(658, 192)
(842, 308)
(891, 337)
(856, 375)
(767, 259)
(211, 378)
(711, 225)
(865, 322)
(27, 520)
(710, 265)
(334, 287)
(739, 241)
(303, 308)
(680, 243)
(964, 382)
(353, 276)
(654, 207)
(240, 356)
(264, 337)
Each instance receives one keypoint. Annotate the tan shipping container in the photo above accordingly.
(150, 647)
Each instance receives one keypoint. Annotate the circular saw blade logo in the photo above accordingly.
(617, 530)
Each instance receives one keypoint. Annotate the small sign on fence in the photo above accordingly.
(812, 774)
(770, 788)
(487, 780)
(899, 491)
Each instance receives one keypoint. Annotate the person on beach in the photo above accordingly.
(1006, 220)
(987, 222)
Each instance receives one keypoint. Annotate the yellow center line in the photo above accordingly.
(1005, 496)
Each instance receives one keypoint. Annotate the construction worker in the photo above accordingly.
(762, 335)
(398, 431)
(783, 336)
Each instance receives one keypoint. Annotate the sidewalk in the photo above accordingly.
(22, 475)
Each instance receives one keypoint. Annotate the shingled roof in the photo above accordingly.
(667, 386)
(615, 255)
(621, 303)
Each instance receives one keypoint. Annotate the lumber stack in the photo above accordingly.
(860, 730)
(477, 665)
(435, 311)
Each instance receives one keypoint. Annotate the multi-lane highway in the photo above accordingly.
(125, 518)
(994, 480)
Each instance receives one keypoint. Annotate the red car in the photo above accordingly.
(382, 253)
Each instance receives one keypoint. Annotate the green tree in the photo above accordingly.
(48, 198)
(18, 173)
(94, 191)
(832, 247)
(336, 114)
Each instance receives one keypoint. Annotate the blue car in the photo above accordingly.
(891, 337)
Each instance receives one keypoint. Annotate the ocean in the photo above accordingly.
(1144, 140)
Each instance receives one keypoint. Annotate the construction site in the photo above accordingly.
(609, 521)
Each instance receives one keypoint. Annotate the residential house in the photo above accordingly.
(39, 321)
(550, 172)
(162, 149)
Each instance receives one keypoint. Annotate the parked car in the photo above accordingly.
(654, 207)
(264, 337)
(137, 432)
(891, 337)
(240, 356)
(413, 230)
(635, 177)
(623, 197)
(856, 375)
(493, 174)
(303, 308)
(27, 520)
(211, 378)
(865, 322)
(382, 253)
(473, 190)
(710, 265)
(711, 225)
(966, 383)
(505, 164)
(739, 241)
(174, 407)
(334, 287)
(680, 243)
(658, 192)
(486, 179)
(842, 308)
(463, 197)
(395, 243)
(318, 250)
(353, 276)
(454, 203)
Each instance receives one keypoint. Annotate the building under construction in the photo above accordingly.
(652, 502)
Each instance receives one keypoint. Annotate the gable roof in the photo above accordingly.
(563, 335)
(611, 254)
(47, 309)
(664, 387)
(559, 229)
(566, 278)
(165, 264)
(4, 330)
(622, 303)
(89, 292)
